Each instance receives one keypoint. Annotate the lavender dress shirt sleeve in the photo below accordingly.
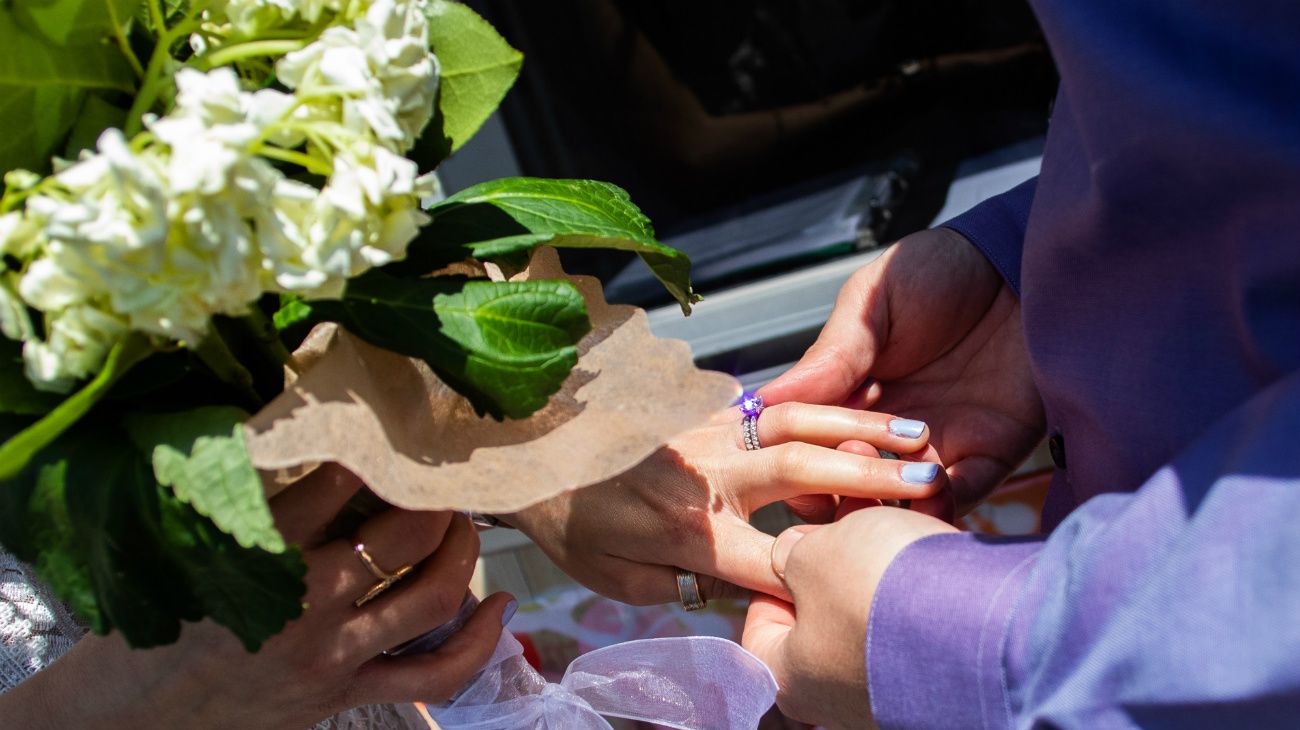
(997, 228)
(1175, 606)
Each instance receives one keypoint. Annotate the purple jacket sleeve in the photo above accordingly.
(997, 228)
(1172, 606)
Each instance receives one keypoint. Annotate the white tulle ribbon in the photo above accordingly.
(691, 683)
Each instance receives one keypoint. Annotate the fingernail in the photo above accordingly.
(919, 472)
(509, 613)
(781, 550)
(907, 428)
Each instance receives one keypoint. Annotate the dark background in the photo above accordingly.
(693, 106)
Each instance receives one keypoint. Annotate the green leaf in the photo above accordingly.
(507, 216)
(95, 116)
(293, 312)
(126, 554)
(505, 346)
(42, 86)
(202, 456)
(73, 22)
(85, 508)
(520, 337)
(478, 68)
(252, 592)
(20, 448)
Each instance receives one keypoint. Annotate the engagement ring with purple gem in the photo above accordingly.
(751, 405)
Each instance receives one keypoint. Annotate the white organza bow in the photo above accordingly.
(691, 683)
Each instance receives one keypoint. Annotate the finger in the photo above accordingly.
(305, 509)
(865, 397)
(940, 505)
(737, 553)
(787, 470)
(814, 508)
(430, 597)
(435, 677)
(646, 584)
(394, 539)
(841, 358)
(849, 505)
(818, 509)
(831, 426)
(767, 627)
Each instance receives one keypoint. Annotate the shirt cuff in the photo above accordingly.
(935, 641)
(997, 228)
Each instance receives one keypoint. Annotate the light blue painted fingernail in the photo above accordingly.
(919, 472)
(907, 428)
(509, 613)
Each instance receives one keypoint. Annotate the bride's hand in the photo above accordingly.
(326, 661)
(688, 505)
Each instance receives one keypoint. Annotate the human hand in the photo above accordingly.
(688, 505)
(815, 646)
(326, 661)
(938, 333)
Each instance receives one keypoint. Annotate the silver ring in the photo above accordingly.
(749, 424)
(688, 589)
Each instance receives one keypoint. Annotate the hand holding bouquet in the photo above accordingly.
(225, 177)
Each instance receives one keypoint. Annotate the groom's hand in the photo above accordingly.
(832, 571)
(688, 505)
(929, 331)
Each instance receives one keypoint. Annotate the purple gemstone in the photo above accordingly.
(751, 404)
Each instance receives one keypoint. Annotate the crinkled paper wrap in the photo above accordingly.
(419, 445)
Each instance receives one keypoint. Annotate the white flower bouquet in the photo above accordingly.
(227, 175)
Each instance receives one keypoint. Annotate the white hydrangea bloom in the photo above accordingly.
(250, 18)
(158, 257)
(20, 235)
(212, 127)
(381, 70)
(365, 217)
(14, 322)
(77, 342)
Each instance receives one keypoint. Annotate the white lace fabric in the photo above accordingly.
(36, 628)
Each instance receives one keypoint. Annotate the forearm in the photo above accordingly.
(99, 683)
(1186, 588)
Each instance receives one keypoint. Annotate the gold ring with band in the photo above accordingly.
(688, 589)
(386, 580)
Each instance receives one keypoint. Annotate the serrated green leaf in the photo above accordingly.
(19, 449)
(478, 68)
(42, 86)
(252, 592)
(126, 554)
(111, 500)
(520, 337)
(202, 456)
(505, 346)
(510, 215)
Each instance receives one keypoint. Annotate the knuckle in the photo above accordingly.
(441, 603)
(781, 419)
(791, 460)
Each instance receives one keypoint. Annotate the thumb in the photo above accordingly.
(784, 545)
(839, 361)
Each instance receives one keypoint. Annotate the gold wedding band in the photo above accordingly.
(386, 580)
(688, 590)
